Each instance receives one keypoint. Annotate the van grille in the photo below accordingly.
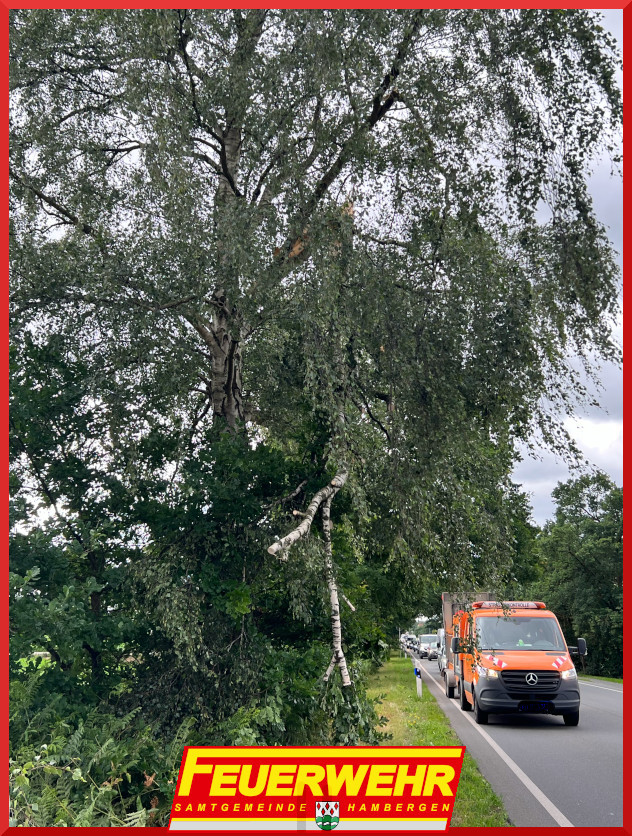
(517, 681)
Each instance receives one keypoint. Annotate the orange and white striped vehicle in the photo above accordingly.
(511, 657)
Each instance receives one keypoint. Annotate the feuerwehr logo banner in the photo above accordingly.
(360, 789)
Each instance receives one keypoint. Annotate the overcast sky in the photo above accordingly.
(599, 433)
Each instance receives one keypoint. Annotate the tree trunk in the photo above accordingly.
(226, 362)
(222, 334)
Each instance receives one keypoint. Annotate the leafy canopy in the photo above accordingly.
(251, 247)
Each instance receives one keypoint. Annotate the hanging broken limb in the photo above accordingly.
(322, 499)
(328, 491)
(336, 627)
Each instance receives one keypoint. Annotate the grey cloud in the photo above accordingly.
(539, 477)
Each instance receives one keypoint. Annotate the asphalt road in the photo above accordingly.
(549, 774)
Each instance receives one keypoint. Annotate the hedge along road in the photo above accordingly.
(548, 774)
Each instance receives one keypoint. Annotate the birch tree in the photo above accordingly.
(360, 236)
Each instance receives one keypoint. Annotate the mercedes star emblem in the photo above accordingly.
(531, 679)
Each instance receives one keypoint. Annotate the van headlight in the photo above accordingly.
(570, 674)
(486, 673)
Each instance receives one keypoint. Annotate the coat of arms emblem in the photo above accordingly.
(327, 814)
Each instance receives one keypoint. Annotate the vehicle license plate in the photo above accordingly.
(537, 707)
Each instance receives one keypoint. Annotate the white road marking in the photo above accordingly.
(535, 791)
(583, 682)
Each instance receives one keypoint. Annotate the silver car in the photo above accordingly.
(428, 646)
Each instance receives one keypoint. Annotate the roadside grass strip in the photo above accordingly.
(589, 676)
(420, 722)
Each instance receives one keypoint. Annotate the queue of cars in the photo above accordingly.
(426, 646)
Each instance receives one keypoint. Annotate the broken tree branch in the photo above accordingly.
(301, 530)
(336, 626)
(322, 499)
(330, 669)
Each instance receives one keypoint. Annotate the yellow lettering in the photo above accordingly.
(237, 807)
(244, 779)
(434, 808)
(445, 808)
(178, 808)
(399, 807)
(191, 768)
(260, 808)
(188, 808)
(377, 775)
(291, 808)
(416, 780)
(201, 808)
(248, 808)
(410, 808)
(225, 779)
(302, 808)
(362, 808)
(280, 774)
(351, 779)
(309, 776)
(224, 808)
(279, 808)
(439, 776)
(375, 808)
(387, 807)
(350, 808)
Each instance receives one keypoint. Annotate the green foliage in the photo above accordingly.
(202, 334)
(87, 768)
(581, 568)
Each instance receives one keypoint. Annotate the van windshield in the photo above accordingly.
(519, 633)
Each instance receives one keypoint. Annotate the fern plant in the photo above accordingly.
(97, 770)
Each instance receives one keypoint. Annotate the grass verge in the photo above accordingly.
(602, 678)
(415, 722)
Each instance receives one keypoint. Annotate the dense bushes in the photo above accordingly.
(197, 636)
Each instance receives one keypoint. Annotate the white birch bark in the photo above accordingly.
(322, 499)
(330, 669)
(336, 626)
(301, 530)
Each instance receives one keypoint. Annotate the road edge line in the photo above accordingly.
(535, 791)
(583, 682)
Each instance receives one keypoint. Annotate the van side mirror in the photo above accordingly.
(581, 647)
(454, 644)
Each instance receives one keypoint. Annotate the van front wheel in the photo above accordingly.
(480, 717)
(465, 706)
(449, 690)
(571, 719)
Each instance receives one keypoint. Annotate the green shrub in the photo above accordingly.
(89, 768)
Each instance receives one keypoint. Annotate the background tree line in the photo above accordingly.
(579, 569)
(574, 563)
(253, 252)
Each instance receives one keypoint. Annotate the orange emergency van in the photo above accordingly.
(511, 657)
